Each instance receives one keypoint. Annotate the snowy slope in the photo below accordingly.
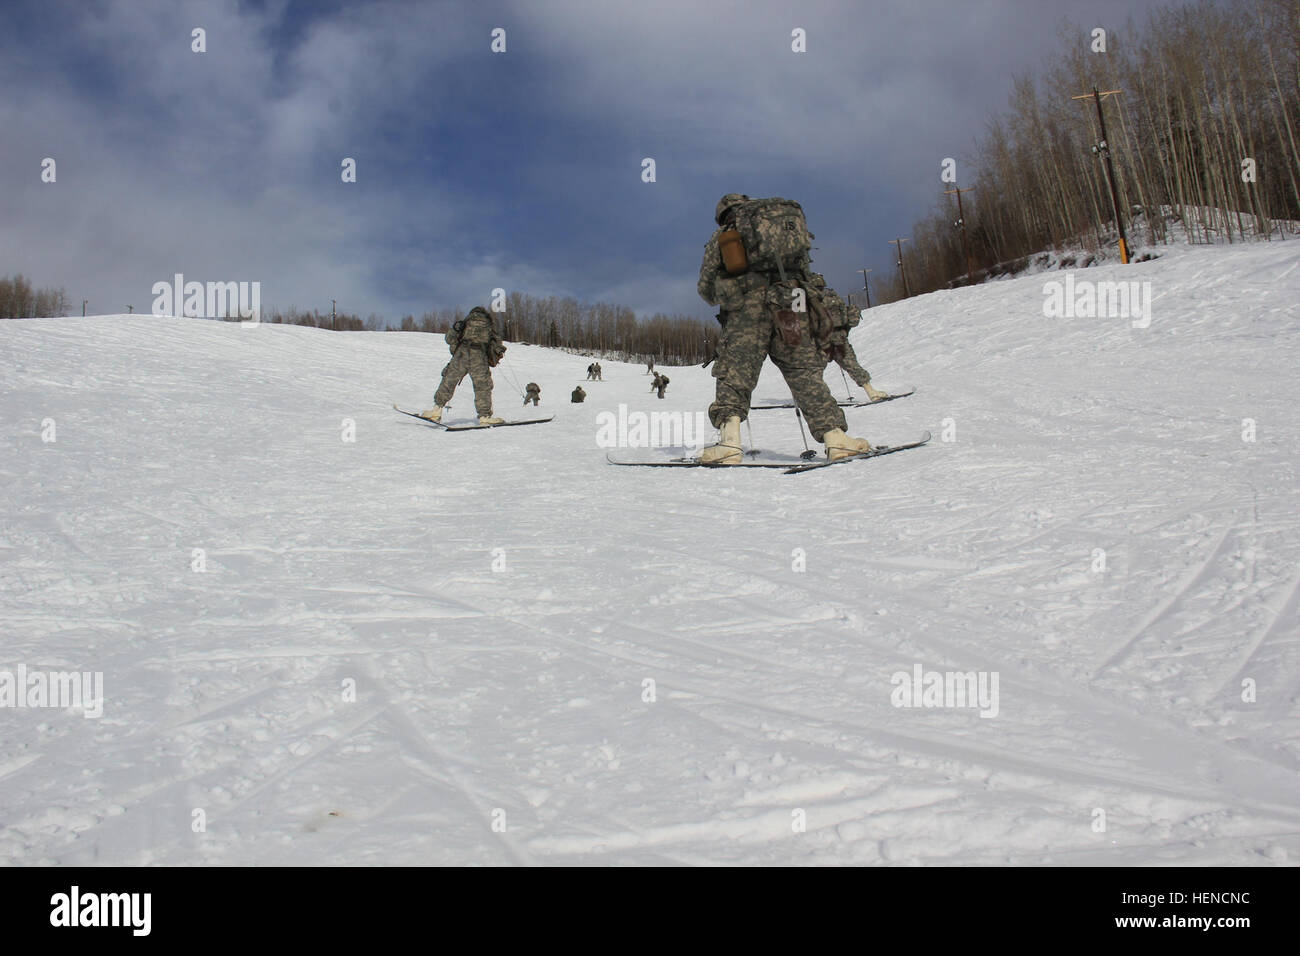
(517, 694)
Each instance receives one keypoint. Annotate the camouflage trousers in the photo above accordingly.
(750, 335)
(847, 359)
(472, 362)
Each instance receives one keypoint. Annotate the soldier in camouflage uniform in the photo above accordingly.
(843, 318)
(659, 384)
(749, 303)
(578, 394)
(475, 349)
(532, 393)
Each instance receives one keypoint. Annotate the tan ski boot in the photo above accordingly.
(490, 420)
(874, 394)
(433, 414)
(840, 445)
(727, 451)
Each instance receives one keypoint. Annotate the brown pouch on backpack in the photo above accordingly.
(791, 328)
(732, 248)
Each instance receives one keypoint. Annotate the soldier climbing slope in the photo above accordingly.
(532, 393)
(599, 372)
(475, 350)
(756, 267)
(659, 384)
(844, 318)
(578, 394)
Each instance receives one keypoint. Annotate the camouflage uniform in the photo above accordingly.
(661, 384)
(470, 356)
(578, 394)
(843, 319)
(600, 372)
(533, 393)
(749, 303)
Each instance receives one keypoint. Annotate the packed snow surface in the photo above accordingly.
(492, 647)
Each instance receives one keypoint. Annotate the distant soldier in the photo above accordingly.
(599, 372)
(475, 350)
(591, 371)
(578, 395)
(649, 368)
(532, 393)
(764, 313)
(843, 318)
(662, 384)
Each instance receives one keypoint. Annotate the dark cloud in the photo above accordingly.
(520, 170)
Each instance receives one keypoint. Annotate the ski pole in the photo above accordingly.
(808, 453)
(847, 391)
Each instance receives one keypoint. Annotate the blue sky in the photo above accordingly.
(476, 170)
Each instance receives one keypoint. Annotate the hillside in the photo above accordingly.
(522, 690)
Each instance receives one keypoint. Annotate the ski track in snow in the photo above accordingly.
(498, 715)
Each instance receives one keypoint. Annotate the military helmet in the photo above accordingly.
(480, 310)
(727, 202)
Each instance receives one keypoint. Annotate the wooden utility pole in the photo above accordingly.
(899, 242)
(83, 307)
(961, 224)
(1102, 149)
(334, 316)
(865, 287)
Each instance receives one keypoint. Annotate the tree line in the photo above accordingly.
(1205, 133)
(599, 328)
(18, 300)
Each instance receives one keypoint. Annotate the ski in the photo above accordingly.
(879, 401)
(467, 428)
(767, 461)
(792, 465)
(876, 452)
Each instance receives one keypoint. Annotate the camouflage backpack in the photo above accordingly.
(478, 328)
(775, 234)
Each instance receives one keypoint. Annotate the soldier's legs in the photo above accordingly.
(451, 377)
(740, 359)
(813, 397)
(481, 376)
